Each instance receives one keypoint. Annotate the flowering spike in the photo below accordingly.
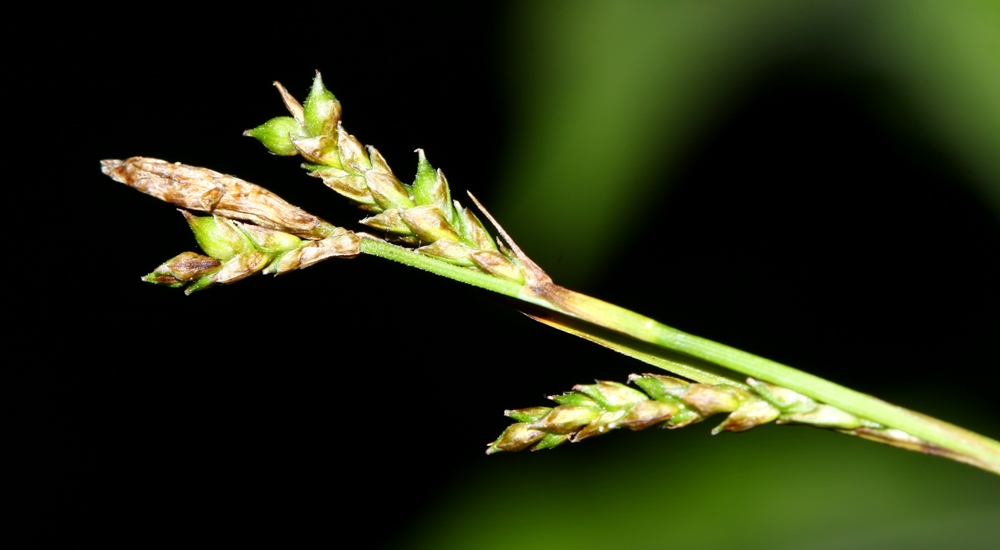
(594, 409)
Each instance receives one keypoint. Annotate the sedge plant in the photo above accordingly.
(246, 229)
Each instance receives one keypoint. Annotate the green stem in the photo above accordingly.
(465, 275)
(681, 365)
(986, 451)
(981, 451)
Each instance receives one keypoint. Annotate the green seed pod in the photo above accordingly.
(276, 134)
(322, 110)
(431, 188)
(218, 237)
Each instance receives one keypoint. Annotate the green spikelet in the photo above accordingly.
(668, 402)
(421, 214)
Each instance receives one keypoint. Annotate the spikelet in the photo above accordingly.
(668, 402)
(282, 237)
(421, 214)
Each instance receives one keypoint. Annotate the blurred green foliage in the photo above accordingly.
(774, 487)
(606, 99)
(608, 96)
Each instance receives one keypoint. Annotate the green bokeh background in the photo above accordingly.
(607, 98)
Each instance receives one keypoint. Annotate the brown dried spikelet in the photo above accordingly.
(210, 191)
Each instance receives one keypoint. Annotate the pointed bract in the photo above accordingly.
(292, 104)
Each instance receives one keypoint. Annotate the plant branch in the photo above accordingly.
(676, 351)
(449, 240)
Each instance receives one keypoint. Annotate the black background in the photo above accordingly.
(345, 398)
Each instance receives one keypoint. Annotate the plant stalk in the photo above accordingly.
(975, 449)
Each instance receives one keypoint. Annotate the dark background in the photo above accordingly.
(802, 224)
